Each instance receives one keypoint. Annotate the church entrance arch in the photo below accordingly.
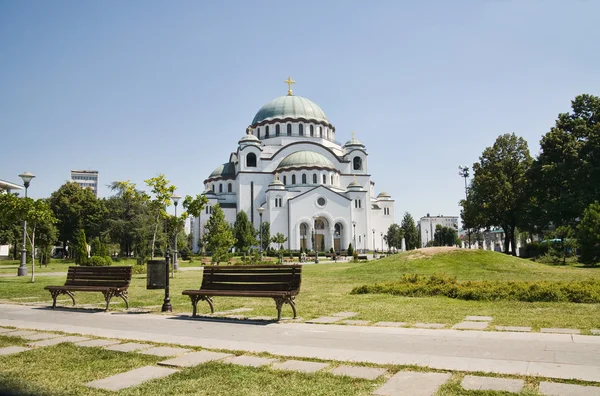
(320, 228)
(337, 237)
(303, 236)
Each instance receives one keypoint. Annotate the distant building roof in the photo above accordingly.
(5, 185)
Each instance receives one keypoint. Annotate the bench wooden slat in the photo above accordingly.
(257, 278)
(250, 286)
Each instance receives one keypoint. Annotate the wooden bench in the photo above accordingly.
(280, 282)
(111, 281)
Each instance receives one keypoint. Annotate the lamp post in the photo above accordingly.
(382, 243)
(426, 237)
(22, 271)
(463, 171)
(374, 250)
(354, 228)
(260, 213)
(166, 307)
(315, 239)
(364, 243)
(175, 199)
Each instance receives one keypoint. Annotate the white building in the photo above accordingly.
(428, 223)
(86, 179)
(290, 164)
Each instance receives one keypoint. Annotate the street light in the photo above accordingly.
(175, 199)
(426, 237)
(22, 271)
(315, 239)
(354, 227)
(260, 213)
(463, 171)
(374, 250)
(382, 243)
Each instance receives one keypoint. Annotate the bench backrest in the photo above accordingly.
(99, 276)
(253, 278)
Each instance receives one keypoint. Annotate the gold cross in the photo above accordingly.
(249, 130)
(289, 82)
(352, 135)
(276, 176)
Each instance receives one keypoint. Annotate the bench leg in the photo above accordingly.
(125, 296)
(54, 294)
(293, 305)
(107, 296)
(70, 294)
(279, 301)
(195, 300)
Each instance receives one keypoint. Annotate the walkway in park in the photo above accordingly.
(547, 355)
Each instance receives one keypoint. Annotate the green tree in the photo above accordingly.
(566, 174)
(41, 227)
(394, 236)
(11, 217)
(445, 236)
(498, 193)
(78, 249)
(77, 208)
(244, 233)
(279, 239)
(194, 207)
(163, 191)
(588, 234)
(350, 250)
(411, 234)
(265, 230)
(218, 236)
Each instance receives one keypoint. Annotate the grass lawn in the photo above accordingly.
(326, 289)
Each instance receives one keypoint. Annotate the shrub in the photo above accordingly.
(138, 269)
(350, 250)
(414, 285)
(98, 261)
(589, 234)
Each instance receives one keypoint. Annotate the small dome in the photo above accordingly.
(225, 170)
(290, 106)
(354, 184)
(353, 142)
(305, 159)
(383, 194)
(249, 139)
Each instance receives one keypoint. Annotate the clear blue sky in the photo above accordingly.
(137, 88)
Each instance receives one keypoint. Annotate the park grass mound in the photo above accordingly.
(415, 285)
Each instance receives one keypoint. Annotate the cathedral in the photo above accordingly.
(290, 170)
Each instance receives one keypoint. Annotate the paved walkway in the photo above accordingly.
(547, 355)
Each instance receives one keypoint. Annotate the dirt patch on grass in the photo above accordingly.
(430, 251)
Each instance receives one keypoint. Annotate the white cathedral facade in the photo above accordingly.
(312, 188)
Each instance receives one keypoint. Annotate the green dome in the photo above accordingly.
(305, 159)
(224, 170)
(290, 106)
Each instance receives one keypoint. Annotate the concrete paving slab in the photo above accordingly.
(12, 350)
(522, 329)
(556, 389)
(128, 347)
(344, 314)
(564, 371)
(595, 331)
(429, 325)
(131, 378)
(479, 318)
(194, 359)
(409, 383)
(369, 373)
(356, 322)
(262, 318)
(470, 326)
(164, 351)
(251, 361)
(472, 382)
(391, 324)
(97, 343)
(325, 319)
(40, 336)
(56, 341)
(20, 333)
(560, 331)
(300, 366)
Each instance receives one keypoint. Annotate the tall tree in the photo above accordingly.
(445, 236)
(566, 174)
(498, 192)
(244, 232)
(78, 247)
(394, 236)
(265, 231)
(218, 236)
(163, 191)
(588, 235)
(77, 208)
(194, 207)
(411, 235)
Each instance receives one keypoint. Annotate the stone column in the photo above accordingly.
(330, 238)
(403, 246)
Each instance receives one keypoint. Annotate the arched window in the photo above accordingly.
(220, 188)
(324, 179)
(267, 132)
(320, 131)
(293, 179)
(229, 187)
(301, 129)
(278, 202)
(277, 130)
(332, 180)
(312, 130)
(357, 162)
(304, 178)
(258, 133)
(213, 188)
(284, 180)
(289, 129)
(251, 160)
(315, 178)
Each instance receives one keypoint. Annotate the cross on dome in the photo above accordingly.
(289, 82)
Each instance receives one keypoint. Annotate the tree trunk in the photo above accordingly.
(512, 241)
(506, 239)
(154, 236)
